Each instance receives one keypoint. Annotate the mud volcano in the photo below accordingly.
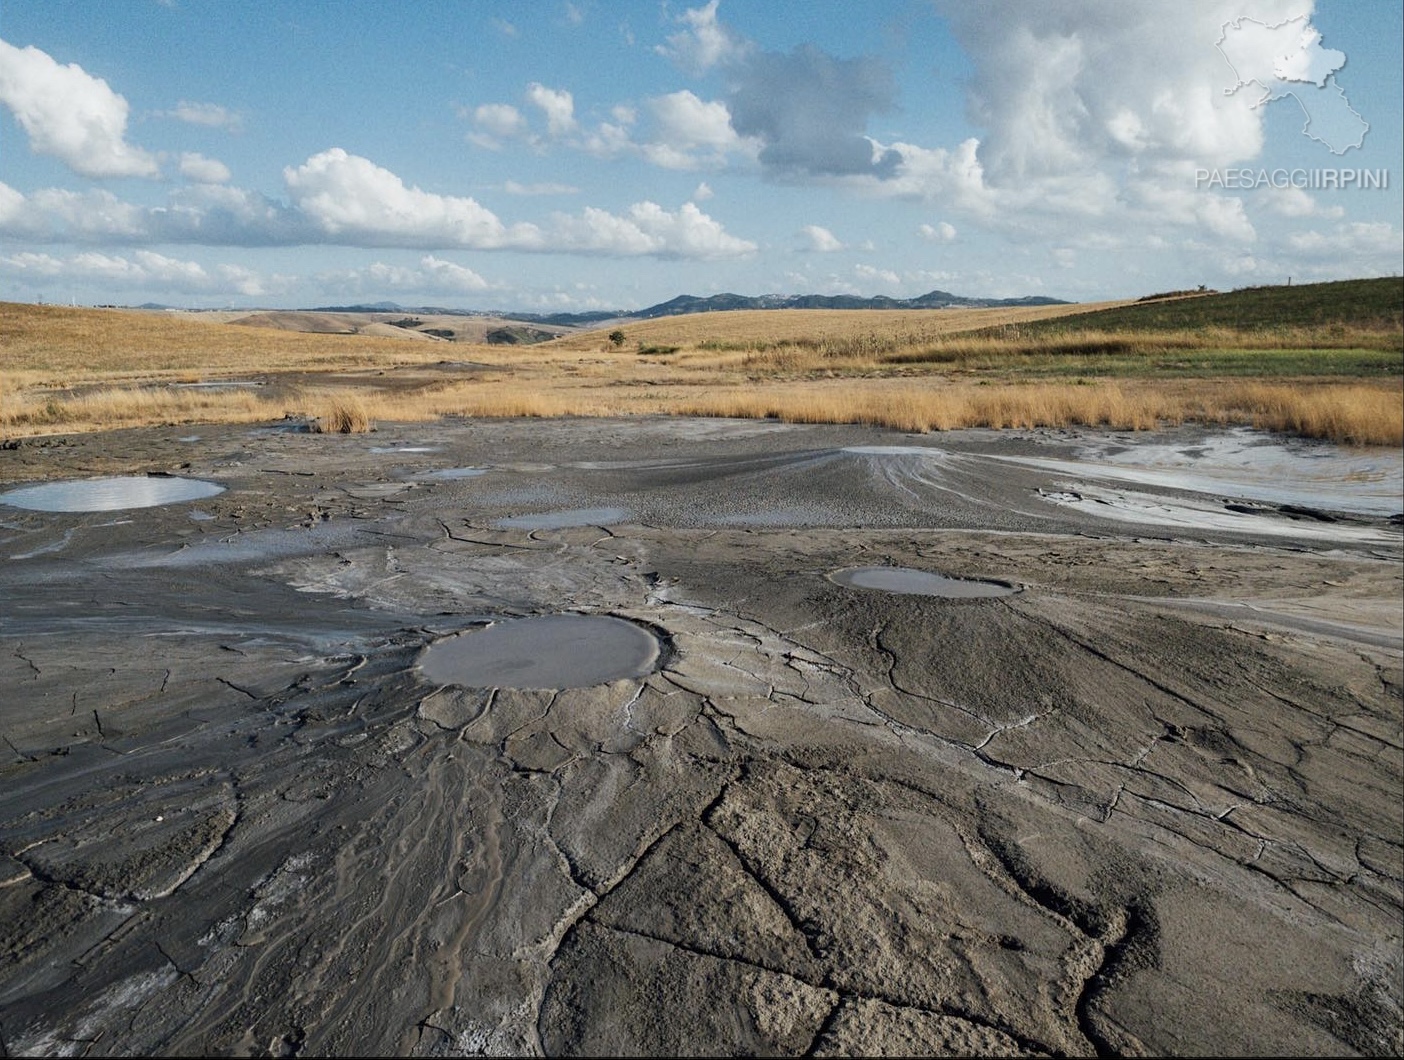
(554, 651)
(109, 494)
(907, 581)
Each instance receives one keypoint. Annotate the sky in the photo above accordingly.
(577, 155)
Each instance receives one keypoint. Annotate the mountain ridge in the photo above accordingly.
(684, 304)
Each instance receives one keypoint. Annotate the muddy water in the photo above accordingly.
(920, 583)
(109, 494)
(554, 651)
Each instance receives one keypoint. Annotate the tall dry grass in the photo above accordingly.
(339, 412)
(927, 372)
(1357, 415)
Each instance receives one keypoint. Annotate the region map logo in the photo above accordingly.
(1272, 63)
(1300, 69)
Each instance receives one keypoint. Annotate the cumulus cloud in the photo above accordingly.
(432, 275)
(871, 274)
(1295, 202)
(69, 114)
(689, 132)
(557, 105)
(1377, 241)
(350, 198)
(496, 122)
(1065, 85)
(704, 43)
(647, 228)
(142, 270)
(203, 170)
(819, 239)
(208, 114)
(941, 232)
(337, 198)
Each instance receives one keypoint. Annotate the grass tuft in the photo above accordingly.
(341, 412)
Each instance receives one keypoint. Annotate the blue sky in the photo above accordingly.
(584, 155)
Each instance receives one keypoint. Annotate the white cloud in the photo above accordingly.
(557, 104)
(513, 187)
(941, 232)
(705, 43)
(649, 229)
(431, 275)
(869, 274)
(71, 115)
(1067, 85)
(689, 132)
(819, 239)
(607, 140)
(1295, 202)
(141, 271)
(210, 114)
(703, 192)
(495, 123)
(91, 216)
(1358, 239)
(203, 170)
(342, 199)
(351, 199)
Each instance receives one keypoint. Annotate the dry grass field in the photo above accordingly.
(85, 369)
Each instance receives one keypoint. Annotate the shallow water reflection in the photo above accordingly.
(563, 520)
(109, 494)
(905, 580)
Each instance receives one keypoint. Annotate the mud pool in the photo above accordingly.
(679, 788)
(108, 494)
(550, 651)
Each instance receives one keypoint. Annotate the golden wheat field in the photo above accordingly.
(64, 370)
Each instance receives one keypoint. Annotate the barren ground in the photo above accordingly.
(1150, 803)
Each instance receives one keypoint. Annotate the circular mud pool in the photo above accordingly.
(920, 583)
(555, 651)
(109, 494)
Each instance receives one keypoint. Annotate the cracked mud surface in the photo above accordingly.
(1147, 804)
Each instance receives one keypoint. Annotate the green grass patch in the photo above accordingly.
(1172, 363)
(1345, 305)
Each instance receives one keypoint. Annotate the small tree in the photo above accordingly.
(617, 337)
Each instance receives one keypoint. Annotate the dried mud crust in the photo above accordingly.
(1147, 805)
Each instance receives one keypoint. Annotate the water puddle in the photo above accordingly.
(1205, 514)
(109, 494)
(452, 474)
(219, 384)
(404, 449)
(1246, 465)
(554, 651)
(562, 520)
(907, 581)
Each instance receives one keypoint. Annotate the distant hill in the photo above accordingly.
(685, 304)
(1374, 303)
